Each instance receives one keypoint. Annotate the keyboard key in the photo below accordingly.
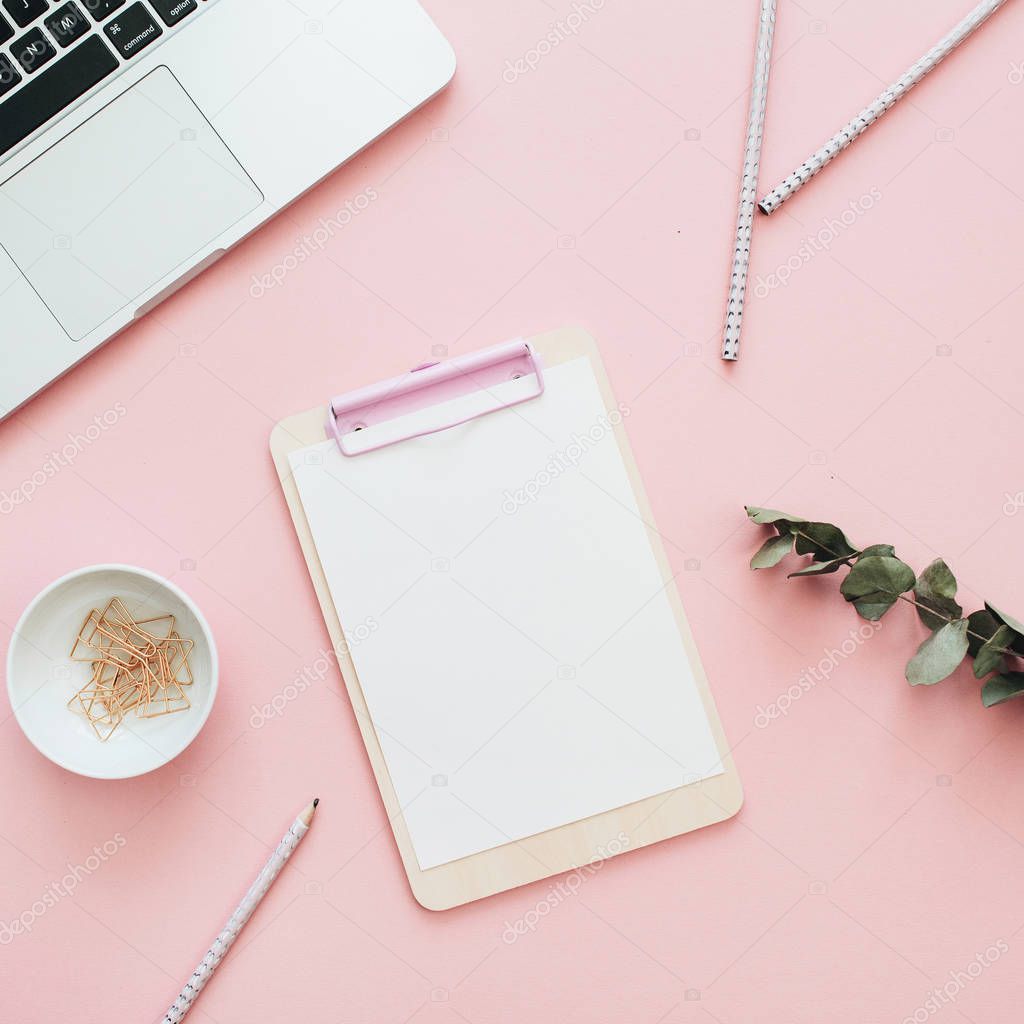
(172, 11)
(56, 88)
(99, 9)
(67, 24)
(9, 76)
(33, 50)
(25, 11)
(132, 31)
(6, 32)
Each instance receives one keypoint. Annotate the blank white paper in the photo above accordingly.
(516, 646)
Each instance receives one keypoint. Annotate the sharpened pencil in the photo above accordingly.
(252, 899)
(869, 115)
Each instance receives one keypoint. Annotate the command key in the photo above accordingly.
(132, 31)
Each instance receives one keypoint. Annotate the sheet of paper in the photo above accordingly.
(509, 625)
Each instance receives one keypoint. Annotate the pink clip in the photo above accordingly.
(402, 396)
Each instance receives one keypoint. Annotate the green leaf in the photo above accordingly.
(824, 541)
(982, 623)
(1000, 689)
(990, 655)
(821, 568)
(936, 590)
(938, 657)
(875, 584)
(769, 516)
(879, 550)
(773, 551)
(1009, 620)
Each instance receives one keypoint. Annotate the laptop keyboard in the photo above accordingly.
(52, 54)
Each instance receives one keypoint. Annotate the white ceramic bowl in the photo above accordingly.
(41, 677)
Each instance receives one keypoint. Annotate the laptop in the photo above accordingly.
(142, 139)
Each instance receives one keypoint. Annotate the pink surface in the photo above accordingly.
(879, 853)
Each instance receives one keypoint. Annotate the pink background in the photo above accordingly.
(880, 847)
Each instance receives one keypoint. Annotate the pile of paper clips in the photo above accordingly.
(139, 666)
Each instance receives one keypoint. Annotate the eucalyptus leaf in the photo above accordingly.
(939, 656)
(879, 550)
(821, 568)
(981, 623)
(824, 541)
(1009, 620)
(875, 584)
(990, 656)
(770, 516)
(773, 551)
(936, 590)
(1000, 689)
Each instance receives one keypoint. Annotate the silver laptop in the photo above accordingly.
(141, 139)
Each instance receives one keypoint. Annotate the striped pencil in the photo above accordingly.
(867, 117)
(748, 184)
(252, 899)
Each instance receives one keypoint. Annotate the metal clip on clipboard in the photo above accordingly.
(430, 384)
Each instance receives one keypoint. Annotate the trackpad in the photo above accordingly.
(139, 189)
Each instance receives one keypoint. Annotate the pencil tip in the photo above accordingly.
(316, 801)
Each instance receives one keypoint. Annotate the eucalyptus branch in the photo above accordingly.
(909, 600)
(877, 579)
(1007, 651)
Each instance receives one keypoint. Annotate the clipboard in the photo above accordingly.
(569, 846)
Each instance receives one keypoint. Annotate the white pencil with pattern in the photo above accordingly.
(202, 974)
(748, 182)
(869, 115)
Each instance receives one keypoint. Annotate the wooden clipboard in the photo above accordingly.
(569, 846)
